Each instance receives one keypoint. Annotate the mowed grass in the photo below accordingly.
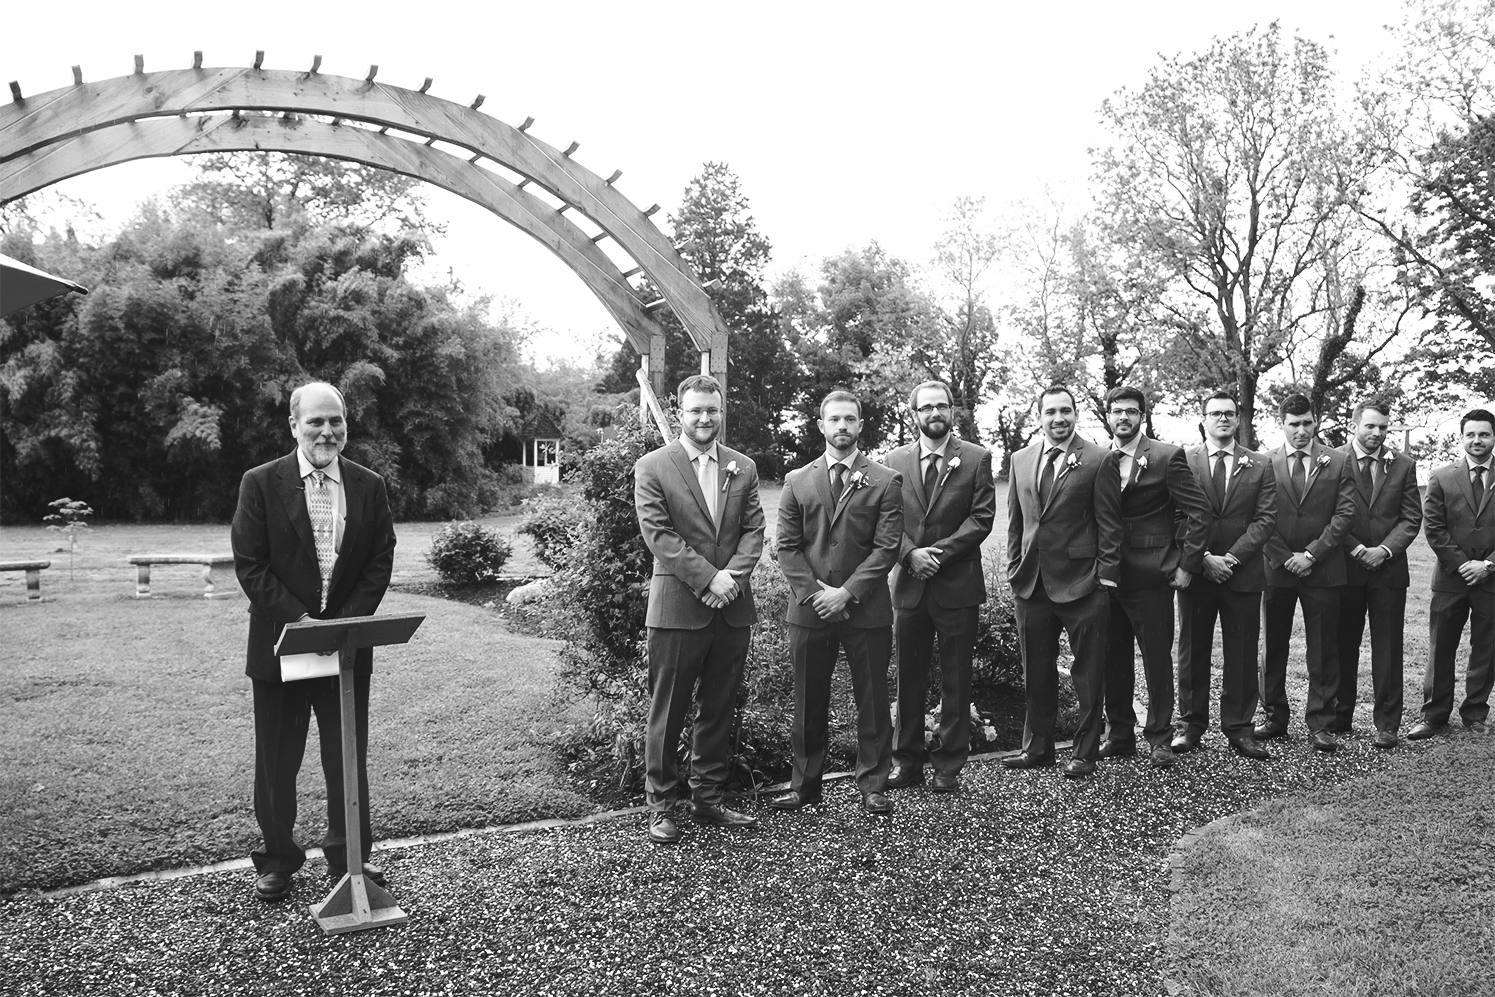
(1377, 887)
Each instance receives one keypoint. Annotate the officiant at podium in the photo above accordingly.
(313, 538)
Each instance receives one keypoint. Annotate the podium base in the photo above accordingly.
(356, 903)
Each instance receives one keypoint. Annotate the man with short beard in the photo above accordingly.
(949, 505)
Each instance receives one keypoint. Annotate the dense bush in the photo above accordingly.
(467, 554)
(554, 520)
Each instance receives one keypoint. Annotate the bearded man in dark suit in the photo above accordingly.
(949, 505)
(698, 511)
(312, 538)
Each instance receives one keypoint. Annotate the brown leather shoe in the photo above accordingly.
(1270, 729)
(942, 783)
(1250, 748)
(273, 886)
(1024, 760)
(904, 776)
(662, 828)
(1117, 747)
(1423, 730)
(711, 813)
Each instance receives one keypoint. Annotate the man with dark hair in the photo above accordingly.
(313, 538)
(1388, 515)
(839, 533)
(1165, 520)
(1063, 551)
(949, 505)
(1315, 506)
(698, 511)
(1241, 492)
(1460, 520)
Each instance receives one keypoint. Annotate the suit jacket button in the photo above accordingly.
(835, 543)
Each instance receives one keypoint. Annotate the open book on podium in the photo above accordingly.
(356, 902)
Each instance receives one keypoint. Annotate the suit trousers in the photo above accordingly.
(814, 654)
(1387, 608)
(1446, 617)
(1239, 614)
(1321, 631)
(1040, 620)
(916, 630)
(1140, 618)
(704, 665)
(282, 716)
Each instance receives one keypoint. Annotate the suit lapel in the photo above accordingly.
(1354, 461)
(1380, 486)
(353, 497)
(1311, 471)
(687, 470)
(293, 499)
(906, 461)
(1466, 487)
(1142, 448)
(1061, 471)
(858, 466)
(820, 473)
(1283, 470)
(1199, 464)
(952, 454)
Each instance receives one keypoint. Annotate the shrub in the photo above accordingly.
(554, 520)
(467, 554)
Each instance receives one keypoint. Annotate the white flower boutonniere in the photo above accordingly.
(857, 480)
(1323, 460)
(1142, 463)
(728, 473)
(954, 463)
(1241, 465)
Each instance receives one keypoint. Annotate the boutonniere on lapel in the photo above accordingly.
(1071, 462)
(954, 463)
(1322, 461)
(1241, 465)
(1141, 463)
(728, 473)
(857, 480)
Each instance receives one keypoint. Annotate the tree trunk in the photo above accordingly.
(1246, 407)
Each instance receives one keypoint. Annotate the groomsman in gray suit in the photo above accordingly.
(698, 510)
(1388, 515)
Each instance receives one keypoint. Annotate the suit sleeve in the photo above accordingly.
(1108, 522)
(1408, 519)
(751, 526)
(976, 527)
(875, 566)
(905, 544)
(1014, 522)
(1435, 520)
(1263, 528)
(373, 581)
(1339, 523)
(249, 538)
(1192, 507)
(658, 529)
(790, 540)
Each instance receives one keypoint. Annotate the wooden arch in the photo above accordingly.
(88, 126)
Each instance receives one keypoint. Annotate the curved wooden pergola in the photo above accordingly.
(88, 126)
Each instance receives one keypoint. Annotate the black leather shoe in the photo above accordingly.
(1322, 740)
(904, 776)
(1186, 742)
(273, 886)
(1078, 768)
(662, 828)
(1385, 739)
(1024, 760)
(877, 804)
(1117, 748)
(1270, 729)
(1163, 757)
(942, 783)
(793, 801)
(370, 871)
(1250, 748)
(711, 813)
(1478, 727)
(1422, 730)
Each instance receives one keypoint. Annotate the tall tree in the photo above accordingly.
(966, 254)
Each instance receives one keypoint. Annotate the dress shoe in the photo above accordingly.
(1385, 739)
(273, 886)
(1250, 748)
(662, 828)
(1478, 727)
(942, 783)
(712, 813)
(904, 776)
(1163, 757)
(1078, 768)
(1186, 742)
(1025, 760)
(1422, 730)
(877, 804)
(794, 800)
(1117, 747)
(1270, 729)
(370, 871)
(1322, 740)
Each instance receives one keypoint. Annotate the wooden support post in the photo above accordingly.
(142, 581)
(478, 102)
(425, 86)
(316, 63)
(656, 363)
(373, 71)
(197, 59)
(528, 120)
(139, 64)
(15, 90)
(614, 178)
(77, 76)
(259, 58)
(570, 149)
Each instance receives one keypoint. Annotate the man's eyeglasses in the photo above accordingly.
(1219, 415)
(696, 413)
(1128, 413)
(932, 409)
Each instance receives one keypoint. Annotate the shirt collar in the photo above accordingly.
(848, 460)
(334, 471)
(1064, 447)
(1361, 454)
(925, 449)
(1486, 463)
(695, 451)
(1131, 448)
(1215, 448)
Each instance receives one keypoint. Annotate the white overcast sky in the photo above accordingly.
(845, 121)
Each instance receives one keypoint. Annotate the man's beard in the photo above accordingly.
(935, 429)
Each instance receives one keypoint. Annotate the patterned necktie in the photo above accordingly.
(1219, 475)
(931, 475)
(1046, 478)
(320, 505)
(838, 481)
(1300, 480)
(707, 477)
(1479, 486)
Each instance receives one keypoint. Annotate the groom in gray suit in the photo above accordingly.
(698, 510)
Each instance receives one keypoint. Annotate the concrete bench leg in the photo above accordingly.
(207, 581)
(143, 581)
(33, 585)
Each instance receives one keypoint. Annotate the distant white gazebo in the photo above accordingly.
(542, 449)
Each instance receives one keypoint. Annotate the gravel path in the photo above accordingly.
(1023, 883)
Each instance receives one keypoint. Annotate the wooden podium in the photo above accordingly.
(355, 903)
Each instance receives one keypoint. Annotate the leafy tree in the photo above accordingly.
(967, 358)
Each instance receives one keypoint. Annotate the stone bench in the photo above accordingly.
(143, 564)
(33, 571)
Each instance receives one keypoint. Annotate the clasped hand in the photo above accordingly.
(1372, 557)
(1217, 569)
(1299, 564)
(722, 590)
(924, 562)
(830, 603)
(1473, 572)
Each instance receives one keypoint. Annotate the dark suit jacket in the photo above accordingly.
(1075, 540)
(1316, 521)
(957, 519)
(688, 550)
(1456, 530)
(1390, 518)
(1244, 519)
(852, 543)
(275, 556)
(1165, 517)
